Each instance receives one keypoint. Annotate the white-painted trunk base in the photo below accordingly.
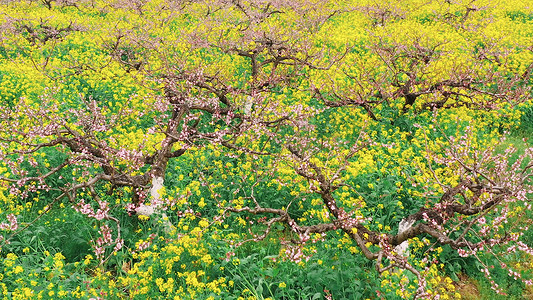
(248, 105)
(403, 248)
(156, 201)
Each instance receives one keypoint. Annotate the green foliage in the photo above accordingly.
(128, 64)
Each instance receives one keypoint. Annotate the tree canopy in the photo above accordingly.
(164, 142)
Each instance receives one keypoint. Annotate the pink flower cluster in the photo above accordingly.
(12, 225)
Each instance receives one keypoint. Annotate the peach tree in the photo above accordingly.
(385, 128)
